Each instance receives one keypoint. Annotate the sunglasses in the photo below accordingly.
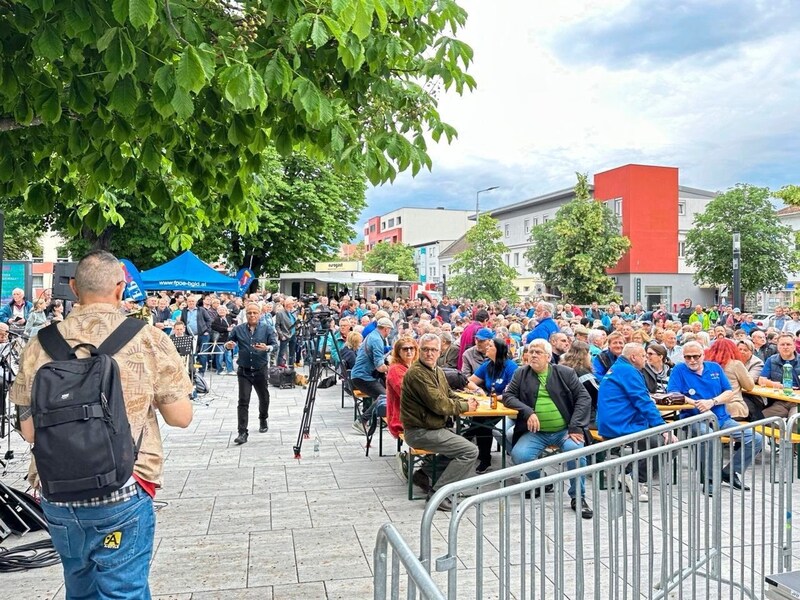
(408, 348)
(692, 356)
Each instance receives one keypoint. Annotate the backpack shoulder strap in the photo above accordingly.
(54, 343)
(123, 334)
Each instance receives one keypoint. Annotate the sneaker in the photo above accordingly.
(358, 426)
(484, 466)
(402, 464)
(735, 481)
(548, 489)
(635, 490)
(263, 426)
(445, 505)
(422, 481)
(586, 510)
(241, 439)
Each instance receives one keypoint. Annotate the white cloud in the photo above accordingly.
(558, 92)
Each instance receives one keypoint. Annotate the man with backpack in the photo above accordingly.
(91, 417)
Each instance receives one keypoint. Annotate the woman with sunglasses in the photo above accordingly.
(657, 369)
(404, 352)
(725, 353)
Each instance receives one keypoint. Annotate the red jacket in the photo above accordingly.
(394, 382)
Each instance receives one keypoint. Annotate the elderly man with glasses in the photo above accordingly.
(705, 385)
(426, 401)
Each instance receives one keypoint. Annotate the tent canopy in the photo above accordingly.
(187, 272)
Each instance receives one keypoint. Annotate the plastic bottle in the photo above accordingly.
(316, 447)
(787, 379)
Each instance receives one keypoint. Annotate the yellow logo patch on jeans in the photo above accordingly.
(113, 540)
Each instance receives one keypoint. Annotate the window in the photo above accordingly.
(545, 219)
(383, 225)
(535, 221)
(681, 249)
(37, 281)
(398, 220)
(372, 228)
(508, 230)
(366, 230)
(516, 259)
(681, 208)
(527, 288)
(391, 223)
(527, 225)
(433, 271)
(505, 258)
(618, 207)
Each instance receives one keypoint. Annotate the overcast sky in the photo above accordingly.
(709, 86)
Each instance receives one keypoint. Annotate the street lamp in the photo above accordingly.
(478, 198)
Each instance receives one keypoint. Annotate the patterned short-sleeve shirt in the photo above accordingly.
(151, 371)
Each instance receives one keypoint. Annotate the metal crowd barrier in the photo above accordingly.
(401, 552)
(685, 542)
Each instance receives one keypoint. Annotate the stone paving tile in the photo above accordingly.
(218, 482)
(240, 514)
(329, 553)
(184, 516)
(271, 559)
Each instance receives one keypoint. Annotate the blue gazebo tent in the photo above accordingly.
(187, 272)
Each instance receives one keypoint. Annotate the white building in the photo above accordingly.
(416, 226)
(426, 258)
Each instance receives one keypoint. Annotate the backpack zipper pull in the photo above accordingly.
(107, 411)
(55, 372)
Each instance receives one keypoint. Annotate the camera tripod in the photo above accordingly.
(9, 365)
(309, 332)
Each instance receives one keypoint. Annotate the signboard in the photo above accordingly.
(337, 266)
(16, 274)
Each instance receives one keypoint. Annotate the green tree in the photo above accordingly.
(573, 251)
(790, 194)
(169, 105)
(767, 247)
(479, 271)
(305, 212)
(22, 235)
(392, 258)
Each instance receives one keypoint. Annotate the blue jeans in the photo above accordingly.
(751, 444)
(288, 347)
(93, 567)
(225, 357)
(531, 445)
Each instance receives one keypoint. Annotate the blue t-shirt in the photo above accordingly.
(370, 357)
(709, 385)
(497, 384)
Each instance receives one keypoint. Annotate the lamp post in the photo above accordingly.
(737, 273)
(478, 199)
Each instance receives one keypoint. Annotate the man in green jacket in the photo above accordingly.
(425, 403)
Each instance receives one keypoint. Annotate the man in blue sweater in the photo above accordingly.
(624, 407)
(707, 387)
(545, 326)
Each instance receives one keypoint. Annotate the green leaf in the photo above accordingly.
(182, 103)
(125, 96)
(245, 88)
(105, 40)
(50, 109)
(142, 13)
(319, 33)
(190, 74)
(346, 11)
(362, 26)
(119, 8)
(38, 199)
(48, 43)
(278, 75)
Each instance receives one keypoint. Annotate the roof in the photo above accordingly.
(456, 247)
(788, 210)
(187, 272)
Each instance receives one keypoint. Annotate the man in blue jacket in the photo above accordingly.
(546, 326)
(16, 312)
(707, 387)
(624, 407)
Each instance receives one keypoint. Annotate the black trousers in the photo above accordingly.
(249, 379)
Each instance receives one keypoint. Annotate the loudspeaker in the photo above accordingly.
(62, 273)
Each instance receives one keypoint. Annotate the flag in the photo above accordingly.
(134, 288)
(245, 278)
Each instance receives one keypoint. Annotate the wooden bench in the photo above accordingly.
(416, 455)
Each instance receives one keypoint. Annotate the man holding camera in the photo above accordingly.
(255, 340)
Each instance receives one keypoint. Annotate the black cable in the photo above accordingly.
(29, 556)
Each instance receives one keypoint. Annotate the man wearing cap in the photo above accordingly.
(581, 333)
(367, 375)
(475, 356)
(468, 335)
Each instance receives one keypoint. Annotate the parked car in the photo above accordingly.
(764, 320)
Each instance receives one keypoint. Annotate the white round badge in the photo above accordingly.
(692, 391)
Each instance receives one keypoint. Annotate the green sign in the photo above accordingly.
(13, 277)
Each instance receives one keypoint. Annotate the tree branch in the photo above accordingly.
(12, 124)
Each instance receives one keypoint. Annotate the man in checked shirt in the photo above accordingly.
(106, 543)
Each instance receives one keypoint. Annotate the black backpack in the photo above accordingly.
(83, 447)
